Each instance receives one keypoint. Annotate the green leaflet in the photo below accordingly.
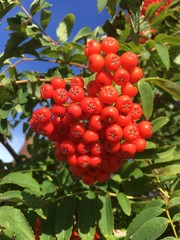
(163, 54)
(142, 218)
(124, 203)
(101, 4)
(147, 98)
(65, 27)
(171, 87)
(87, 216)
(21, 179)
(151, 229)
(13, 220)
(106, 221)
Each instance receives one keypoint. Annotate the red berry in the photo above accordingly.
(108, 94)
(92, 47)
(129, 60)
(95, 62)
(46, 90)
(57, 82)
(109, 45)
(112, 62)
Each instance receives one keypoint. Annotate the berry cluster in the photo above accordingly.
(95, 127)
(160, 9)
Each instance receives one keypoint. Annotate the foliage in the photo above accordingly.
(142, 200)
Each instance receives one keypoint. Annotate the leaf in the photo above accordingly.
(6, 110)
(35, 203)
(111, 7)
(37, 5)
(78, 58)
(171, 87)
(152, 8)
(176, 217)
(30, 200)
(163, 54)
(141, 218)
(106, 221)
(151, 229)
(83, 32)
(173, 202)
(13, 220)
(87, 216)
(6, 6)
(164, 38)
(29, 75)
(124, 203)
(147, 98)
(64, 218)
(65, 27)
(159, 123)
(14, 196)
(21, 179)
(169, 170)
(101, 4)
(45, 18)
(169, 238)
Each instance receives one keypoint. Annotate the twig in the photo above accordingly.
(43, 60)
(10, 149)
(40, 28)
(171, 223)
(154, 49)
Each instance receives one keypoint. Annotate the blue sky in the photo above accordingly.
(86, 14)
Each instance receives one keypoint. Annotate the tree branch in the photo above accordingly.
(43, 60)
(3, 140)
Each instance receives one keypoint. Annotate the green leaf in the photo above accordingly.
(78, 58)
(142, 218)
(6, 6)
(64, 218)
(65, 27)
(161, 17)
(21, 179)
(101, 4)
(176, 217)
(14, 196)
(169, 170)
(13, 220)
(29, 75)
(169, 238)
(152, 8)
(124, 203)
(111, 7)
(6, 110)
(163, 54)
(171, 87)
(45, 18)
(30, 200)
(147, 98)
(174, 202)
(151, 229)
(35, 203)
(159, 123)
(106, 221)
(164, 38)
(37, 5)
(87, 216)
(83, 32)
